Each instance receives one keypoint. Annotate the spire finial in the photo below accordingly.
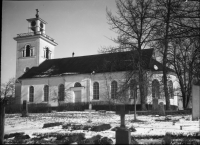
(37, 15)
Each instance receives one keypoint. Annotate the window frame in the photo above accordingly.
(46, 93)
(61, 92)
(31, 94)
(96, 91)
(114, 88)
(156, 89)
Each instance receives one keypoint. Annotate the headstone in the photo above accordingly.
(123, 135)
(25, 109)
(196, 101)
(161, 109)
(155, 104)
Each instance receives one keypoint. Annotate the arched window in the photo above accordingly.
(155, 89)
(46, 93)
(77, 84)
(133, 89)
(170, 88)
(61, 92)
(96, 91)
(31, 94)
(28, 50)
(113, 89)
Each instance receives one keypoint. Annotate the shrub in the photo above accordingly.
(14, 108)
(39, 108)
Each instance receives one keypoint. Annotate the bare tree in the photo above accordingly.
(184, 58)
(134, 25)
(175, 20)
(8, 88)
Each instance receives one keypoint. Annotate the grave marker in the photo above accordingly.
(161, 109)
(122, 135)
(25, 109)
(196, 101)
(155, 104)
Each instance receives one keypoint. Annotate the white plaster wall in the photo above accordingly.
(44, 44)
(22, 63)
(86, 81)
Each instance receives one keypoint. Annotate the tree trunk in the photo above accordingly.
(2, 122)
(141, 86)
(165, 56)
(135, 108)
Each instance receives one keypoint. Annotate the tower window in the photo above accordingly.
(47, 53)
(28, 51)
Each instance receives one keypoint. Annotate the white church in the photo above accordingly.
(93, 78)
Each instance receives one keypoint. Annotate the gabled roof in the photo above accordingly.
(110, 62)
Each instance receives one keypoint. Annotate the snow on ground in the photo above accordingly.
(147, 125)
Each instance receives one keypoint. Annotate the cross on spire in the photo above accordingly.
(37, 15)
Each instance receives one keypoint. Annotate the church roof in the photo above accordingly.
(109, 62)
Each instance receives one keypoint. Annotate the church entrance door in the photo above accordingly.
(77, 96)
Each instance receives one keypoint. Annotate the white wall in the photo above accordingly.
(86, 81)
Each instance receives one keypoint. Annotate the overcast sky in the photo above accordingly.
(78, 26)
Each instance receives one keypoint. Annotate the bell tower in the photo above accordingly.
(33, 47)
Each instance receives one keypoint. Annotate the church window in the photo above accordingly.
(77, 84)
(47, 53)
(61, 92)
(31, 94)
(26, 69)
(170, 88)
(133, 89)
(46, 93)
(155, 89)
(96, 91)
(28, 51)
(113, 89)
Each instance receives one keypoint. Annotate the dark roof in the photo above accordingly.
(120, 61)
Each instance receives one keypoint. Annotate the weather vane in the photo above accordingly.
(37, 15)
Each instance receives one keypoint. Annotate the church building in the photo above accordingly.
(93, 78)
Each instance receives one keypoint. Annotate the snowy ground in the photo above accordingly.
(147, 126)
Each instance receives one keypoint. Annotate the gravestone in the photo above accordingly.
(196, 101)
(122, 135)
(25, 109)
(155, 104)
(161, 109)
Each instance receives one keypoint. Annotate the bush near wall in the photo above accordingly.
(39, 108)
(13, 108)
(45, 108)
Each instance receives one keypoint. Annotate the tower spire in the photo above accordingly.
(37, 15)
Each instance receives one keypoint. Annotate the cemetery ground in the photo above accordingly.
(98, 128)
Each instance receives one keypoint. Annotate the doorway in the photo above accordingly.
(77, 96)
